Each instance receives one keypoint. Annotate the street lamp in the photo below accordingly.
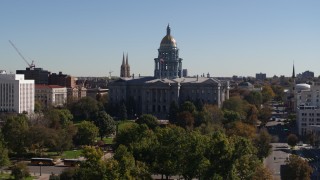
(40, 163)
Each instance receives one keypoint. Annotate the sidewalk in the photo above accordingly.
(43, 177)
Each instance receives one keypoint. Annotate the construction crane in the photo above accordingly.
(32, 65)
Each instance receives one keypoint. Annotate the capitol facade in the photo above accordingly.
(154, 94)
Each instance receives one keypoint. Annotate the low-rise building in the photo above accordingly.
(51, 95)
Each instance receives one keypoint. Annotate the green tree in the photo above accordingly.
(64, 138)
(65, 117)
(292, 140)
(189, 107)
(254, 98)
(68, 174)
(40, 138)
(126, 162)
(58, 118)
(91, 168)
(14, 133)
(230, 116)
(219, 154)
(105, 123)
(123, 112)
(87, 132)
(199, 105)
(265, 114)
(262, 143)
(85, 108)
(244, 158)
(216, 114)
(279, 92)
(173, 111)
(297, 168)
(194, 161)
(148, 119)
(38, 107)
(235, 104)
(168, 154)
(20, 171)
(4, 159)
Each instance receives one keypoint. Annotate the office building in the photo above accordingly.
(16, 93)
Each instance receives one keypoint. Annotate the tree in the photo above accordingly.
(262, 173)
(185, 120)
(254, 98)
(297, 168)
(173, 111)
(14, 133)
(85, 108)
(188, 106)
(199, 105)
(252, 115)
(148, 119)
(105, 123)
(126, 162)
(92, 167)
(195, 163)
(216, 114)
(265, 114)
(4, 159)
(58, 118)
(38, 106)
(168, 151)
(267, 94)
(262, 143)
(242, 129)
(64, 138)
(40, 138)
(87, 132)
(235, 104)
(292, 140)
(219, 154)
(278, 91)
(20, 171)
(123, 112)
(230, 116)
(244, 158)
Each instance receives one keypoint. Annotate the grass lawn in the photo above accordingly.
(71, 154)
(106, 140)
(8, 176)
(124, 125)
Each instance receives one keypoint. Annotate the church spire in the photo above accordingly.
(123, 59)
(127, 64)
(293, 72)
(168, 30)
(123, 68)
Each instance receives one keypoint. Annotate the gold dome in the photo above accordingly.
(168, 40)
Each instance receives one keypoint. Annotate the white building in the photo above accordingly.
(51, 95)
(16, 93)
(307, 107)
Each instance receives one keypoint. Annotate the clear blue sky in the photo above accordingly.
(223, 37)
